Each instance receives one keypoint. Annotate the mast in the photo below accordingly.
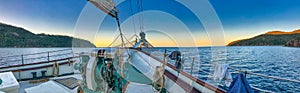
(108, 7)
(143, 41)
(121, 34)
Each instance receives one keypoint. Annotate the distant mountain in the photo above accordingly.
(11, 36)
(273, 38)
(283, 33)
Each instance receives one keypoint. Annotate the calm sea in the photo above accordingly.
(268, 60)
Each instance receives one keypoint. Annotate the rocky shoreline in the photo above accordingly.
(293, 43)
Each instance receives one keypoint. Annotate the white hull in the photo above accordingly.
(174, 82)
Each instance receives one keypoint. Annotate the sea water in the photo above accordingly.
(276, 61)
(268, 60)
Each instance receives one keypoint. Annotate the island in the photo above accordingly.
(12, 36)
(272, 38)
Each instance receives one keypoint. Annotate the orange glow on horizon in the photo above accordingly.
(168, 43)
(158, 43)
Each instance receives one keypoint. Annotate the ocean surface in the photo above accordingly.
(14, 56)
(276, 61)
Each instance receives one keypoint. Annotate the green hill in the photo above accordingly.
(11, 36)
(274, 38)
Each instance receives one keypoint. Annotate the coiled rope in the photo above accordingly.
(158, 79)
(55, 69)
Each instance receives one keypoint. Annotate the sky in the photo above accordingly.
(166, 22)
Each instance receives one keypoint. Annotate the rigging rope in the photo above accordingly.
(128, 41)
(119, 26)
(132, 37)
(133, 21)
(114, 40)
(121, 44)
(120, 30)
(140, 9)
(258, 89)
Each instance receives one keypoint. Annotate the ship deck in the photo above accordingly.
(29, 84)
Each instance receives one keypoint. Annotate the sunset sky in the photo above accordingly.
(166, 22)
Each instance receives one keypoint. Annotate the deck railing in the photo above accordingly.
(233, 70)
(35, 57)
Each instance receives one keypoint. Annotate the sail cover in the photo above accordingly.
(106, 6)
(240, 85)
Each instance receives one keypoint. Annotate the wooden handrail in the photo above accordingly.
(36, 53)
(19, 65)
(39, 67)
(20, 59)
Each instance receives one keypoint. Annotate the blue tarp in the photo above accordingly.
(240, 85)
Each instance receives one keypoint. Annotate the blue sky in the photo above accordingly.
(252, 12)
(240, 18)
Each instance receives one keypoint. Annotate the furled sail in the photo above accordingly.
(106, 6)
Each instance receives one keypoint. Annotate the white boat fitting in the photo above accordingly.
(8, 83)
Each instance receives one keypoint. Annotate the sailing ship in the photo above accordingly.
(120, 69)
(133, 70)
